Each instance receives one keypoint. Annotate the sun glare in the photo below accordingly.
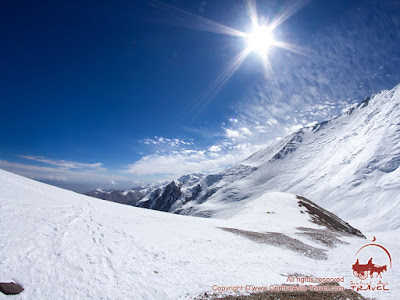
(261, 40)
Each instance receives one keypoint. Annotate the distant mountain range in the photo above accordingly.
(58, 244)
(268, 221)
(349, 164)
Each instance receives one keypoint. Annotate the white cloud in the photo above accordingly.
(311, 124)
(172, 142)
(172, 165)
(215, 148)
(177, 164)
(75, 179)
(231, 133)
(234, 120)
(293, 128)
(309, 88)
(245, 131)
(62, 163)
(321, 84)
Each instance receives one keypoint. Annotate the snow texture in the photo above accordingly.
(62, 245)
(349, 165)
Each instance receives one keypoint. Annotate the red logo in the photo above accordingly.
(362, 271)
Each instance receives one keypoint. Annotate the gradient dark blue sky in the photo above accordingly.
(89, 82)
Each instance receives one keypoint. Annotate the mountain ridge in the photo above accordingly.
(59, 244)
(351, 156)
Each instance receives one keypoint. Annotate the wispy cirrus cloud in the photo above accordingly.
(63, 163)
(340, 68)
(343, 66)
(172, 142)
(81, 177)
(229, 146)
(171, 164)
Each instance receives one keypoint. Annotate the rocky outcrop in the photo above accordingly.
(123, 197)
(162, 199)
(325, 218)
(10, 288)
(290, 147)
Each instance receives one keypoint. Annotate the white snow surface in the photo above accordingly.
(62, 245)
(349, 165)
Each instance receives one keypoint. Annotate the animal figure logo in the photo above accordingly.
(362, 271)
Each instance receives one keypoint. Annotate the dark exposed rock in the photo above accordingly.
(325, 218)
(319, 126)
(162, 199)
(129, 198)
(153, 197)
(290, 146)
(364, 103)
(168, 198)
(10, 288)
(208, 194)
(195, 192)
(213, 178)
(282, 241)
(350, 111)
(322, 236)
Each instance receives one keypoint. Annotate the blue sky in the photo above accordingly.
(110, 94)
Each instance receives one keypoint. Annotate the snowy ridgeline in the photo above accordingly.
(62, 245)
(349, 165)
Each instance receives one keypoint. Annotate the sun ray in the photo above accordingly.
(182, 18)
(260, 39)
(252, 12)
(292, 48)
(287, 12)
(221, 80)
(267, 68)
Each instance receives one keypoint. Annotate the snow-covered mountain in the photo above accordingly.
(129, 197)
(349, 164)
(62, 245)
(161, 195)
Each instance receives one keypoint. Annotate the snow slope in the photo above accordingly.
(63, 245)
(349, 165)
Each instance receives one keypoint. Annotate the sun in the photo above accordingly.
(260, 40)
